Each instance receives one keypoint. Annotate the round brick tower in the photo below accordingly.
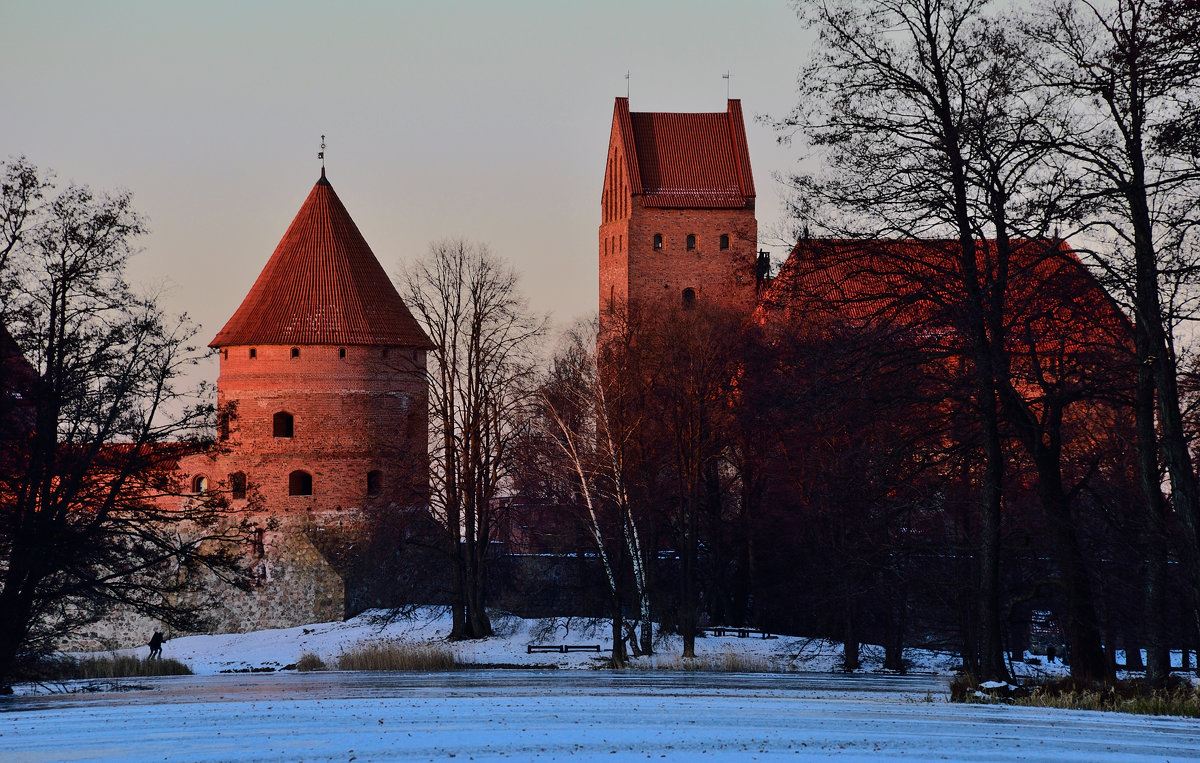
(322, 383)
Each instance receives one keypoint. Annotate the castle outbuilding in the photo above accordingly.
(678, 225)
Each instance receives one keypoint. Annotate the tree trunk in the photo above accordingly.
(689, 604)
(851, 659)
(1154, 528)
(1083, 633)
(618, 634)
(894, 626)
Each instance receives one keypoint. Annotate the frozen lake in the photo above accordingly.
(556, 715)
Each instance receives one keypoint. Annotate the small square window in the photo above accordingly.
(295, 352)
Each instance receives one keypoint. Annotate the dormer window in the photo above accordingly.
(295, 352)
(691, 242)
(658, 241)
(724, 241)
(282, 424)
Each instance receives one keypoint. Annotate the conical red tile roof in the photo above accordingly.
(322, 285)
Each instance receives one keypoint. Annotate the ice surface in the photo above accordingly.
(560, 715)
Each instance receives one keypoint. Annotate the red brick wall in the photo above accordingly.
(351, 415)
(632, 271)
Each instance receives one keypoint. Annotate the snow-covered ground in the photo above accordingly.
(539, 714)
(277, 649)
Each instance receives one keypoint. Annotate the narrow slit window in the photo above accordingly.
(691, 242)
(374, 482)
(658, 241)
(689, 298)
(253, 353)
(237, 485)
(724, 241)
(341, 352)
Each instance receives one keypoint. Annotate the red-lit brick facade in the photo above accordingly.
(322, 383)
(678, 220)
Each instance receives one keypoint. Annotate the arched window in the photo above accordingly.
(658, 241)
(724, 240)
(689, 298)
(283, 425)
(374, 482)
(237, 485)
(341, 352)
(295, 352)
(300, 483)
(691, 242)
(253, 353)
(200, 484)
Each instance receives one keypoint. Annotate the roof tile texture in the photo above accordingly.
(687, 161)
(323, 285)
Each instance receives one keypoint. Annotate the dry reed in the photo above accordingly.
(394, 655)
(112, 666)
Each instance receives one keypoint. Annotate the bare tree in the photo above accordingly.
(577, 417)
(480, 384)
(1131, 69)
(929, 119)
(91, 513)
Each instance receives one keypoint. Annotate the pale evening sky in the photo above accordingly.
(483, 120)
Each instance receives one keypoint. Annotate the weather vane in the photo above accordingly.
(626, 84)
(321, 153)
(725, 77)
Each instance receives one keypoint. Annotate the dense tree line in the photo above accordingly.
(950, 414)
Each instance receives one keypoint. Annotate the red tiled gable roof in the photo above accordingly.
(687, 161)
(322, 285)
(1053, 302)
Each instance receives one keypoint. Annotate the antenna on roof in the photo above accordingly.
(321, 156)
(726, 77)
(627, 84)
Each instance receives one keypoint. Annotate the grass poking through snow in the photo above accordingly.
(1178, 698)
(725, 662)
(309, 661)
(394, 655)
(112, 666)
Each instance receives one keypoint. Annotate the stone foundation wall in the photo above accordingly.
(293, 584)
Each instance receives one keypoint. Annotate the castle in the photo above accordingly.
(322, 387)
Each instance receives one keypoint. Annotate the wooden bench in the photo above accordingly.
(721, 630)
(561, 648)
